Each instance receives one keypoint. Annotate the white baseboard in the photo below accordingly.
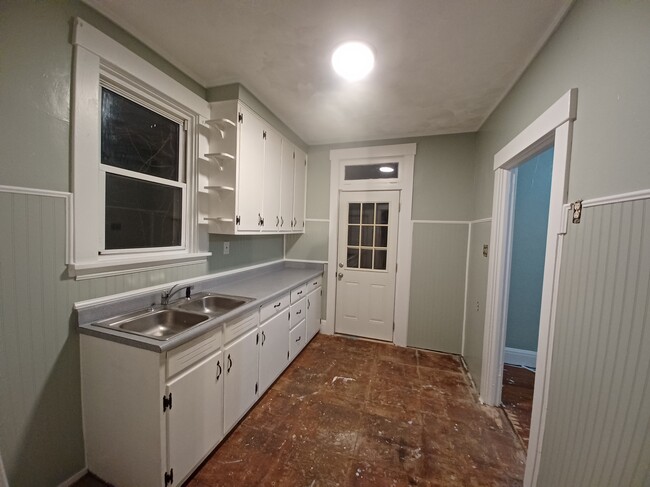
(517, 356)
(74, 478)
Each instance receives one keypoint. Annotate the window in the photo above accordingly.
(135, 137)
(367, 236)
(142, 167)
(389, 170)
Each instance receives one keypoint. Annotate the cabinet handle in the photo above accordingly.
(299, 293)
(281, 221)
(219, 370)
(229, 364)
(298, 339)
(298, 312)
(308, 303)
(295, 222)
(277, 221)
(277, 305)
(263, 338)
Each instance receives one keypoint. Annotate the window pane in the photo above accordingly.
(372, 171)
(366, 235)
(353, 235)
(380, 260)
(366, 259)
(140, 214)
(368, 215)
(382, 213)
(138, 139)
(381, 236)
(353, 258)
(354, 211)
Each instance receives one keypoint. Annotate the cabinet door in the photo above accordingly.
(300, 172)
(314, 299)
(272, 180)
(286, 186)
(297, 340)
(241, 366)
(250, 171)
(274, 348)
(195, 420)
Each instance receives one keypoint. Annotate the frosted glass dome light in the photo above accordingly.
(353, 60)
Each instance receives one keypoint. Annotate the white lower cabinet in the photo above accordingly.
(194, 424)
(314, 299)
(297, 340)
(241, 381)
(274, 348)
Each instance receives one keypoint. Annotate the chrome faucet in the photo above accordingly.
(166, 295)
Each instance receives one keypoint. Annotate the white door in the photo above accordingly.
(250, 171)
(300, 173)
(241, 366)
(286, 203)
(194, 423)
(272, 180)
(367, 253)
(274, 349)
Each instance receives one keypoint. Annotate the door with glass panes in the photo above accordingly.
(367, 252)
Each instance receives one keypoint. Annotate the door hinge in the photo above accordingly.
(576, 208)
(185, 125)
(169, 477)
(256, 387)
(264, 134)
(237, 220)
(241, 117)
(167, 402)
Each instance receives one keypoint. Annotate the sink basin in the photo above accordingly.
(158, 324)
(214, 304)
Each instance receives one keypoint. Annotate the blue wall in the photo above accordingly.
(528, 250)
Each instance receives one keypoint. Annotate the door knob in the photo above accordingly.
(340, 276)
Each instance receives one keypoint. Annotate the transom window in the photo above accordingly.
(356, 172)
(367, 236)
(143, 176)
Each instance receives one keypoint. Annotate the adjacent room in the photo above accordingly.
(303, 243)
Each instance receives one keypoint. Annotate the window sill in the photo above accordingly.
(113, 266)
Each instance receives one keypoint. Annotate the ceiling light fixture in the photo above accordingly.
(353, 60)
(386, 169)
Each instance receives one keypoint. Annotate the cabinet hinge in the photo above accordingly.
(240, 117)
(257, 339)
(294, 155)
(169, 477)
(167, 402)
(256, 387)
(264, 134)
(576, 208)
(321, 292)
(395, 267)
(287, 354)
(237, 220)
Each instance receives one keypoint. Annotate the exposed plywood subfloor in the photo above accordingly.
(517, 399)
(357, 413)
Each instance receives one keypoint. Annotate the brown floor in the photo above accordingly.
(357, 413)
(517, 398)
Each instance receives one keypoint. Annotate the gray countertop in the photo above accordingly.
(263, 285)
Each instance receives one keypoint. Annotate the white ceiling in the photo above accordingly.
(442, 66)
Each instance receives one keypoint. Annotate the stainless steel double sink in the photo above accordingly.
(164, 322)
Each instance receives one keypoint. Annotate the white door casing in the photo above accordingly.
(553, 127)
(367, 252)
(404, 155)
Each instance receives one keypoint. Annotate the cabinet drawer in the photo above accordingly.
(274, 307)
(298, 293)
(297, 340)
(192, 352)
(316, 282)
(238, 326)
(298, 312)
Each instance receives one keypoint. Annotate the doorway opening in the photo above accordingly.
(532, 197)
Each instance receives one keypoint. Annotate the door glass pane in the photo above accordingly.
(368, 215)
(366, 259)
(141, 214)
(366, 235)
(381, 236)
(353, 258)
(138, 139)
(382, 213)
(380, 260)
(388, 170)
(353, 234)
(354, 212)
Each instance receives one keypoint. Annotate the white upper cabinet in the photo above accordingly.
(300, 173)
(272, 180)
(252, 178)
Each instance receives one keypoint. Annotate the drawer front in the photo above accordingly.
(240, 325)
(315, 283)
(274, 307)
(298, 312)
(297, 339)
(298, 293)
(192, 352)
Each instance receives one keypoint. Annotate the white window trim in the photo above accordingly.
(98, 56)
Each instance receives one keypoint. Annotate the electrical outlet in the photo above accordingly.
(226, 248)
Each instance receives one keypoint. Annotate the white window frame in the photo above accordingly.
(101, 61)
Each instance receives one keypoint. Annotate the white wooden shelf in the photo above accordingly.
(220, 219)
(220, 156)
(221, 188)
